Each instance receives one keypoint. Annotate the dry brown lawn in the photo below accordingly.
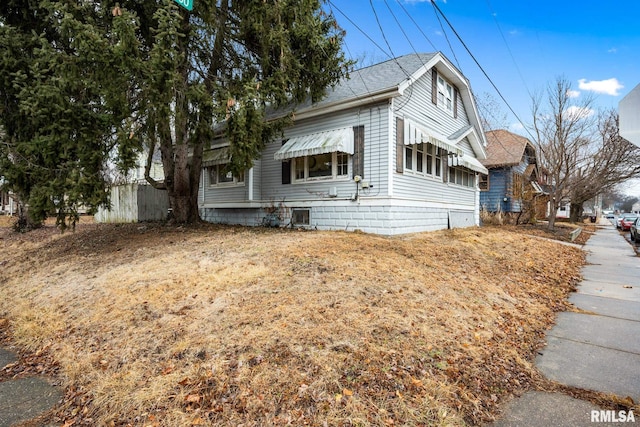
(153, 325)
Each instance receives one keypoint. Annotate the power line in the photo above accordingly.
(495, 18)
(417, 26)
(384, 37)
(445, 34)
(481, 69)
(359, 29)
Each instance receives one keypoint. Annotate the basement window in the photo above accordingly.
(300, 217)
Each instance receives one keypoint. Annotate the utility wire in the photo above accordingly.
(504, 39)
(417, 26)
(359, 29)
(445, 33)
(387, 41)
(482, 69)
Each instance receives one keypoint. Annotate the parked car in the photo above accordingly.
(627, 220)
(635, 236)
(618, 220)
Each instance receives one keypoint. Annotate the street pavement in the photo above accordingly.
(24, 398)
(597, 349)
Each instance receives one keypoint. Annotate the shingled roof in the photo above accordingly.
(368, 81)
(505, 148)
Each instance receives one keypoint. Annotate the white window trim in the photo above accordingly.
(471, 177)
(445, 90)
(234, 183)
(425, 154)
(334, 169)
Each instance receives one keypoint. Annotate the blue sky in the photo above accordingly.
(522, 46)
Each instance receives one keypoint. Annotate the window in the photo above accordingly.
(424, 159)
(440, 153)
(419, 158)
(445, 95)
(300, 217)
(462, 176)
(220, 176)
(321, 166)
(483, 183)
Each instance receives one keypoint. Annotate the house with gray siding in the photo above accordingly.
(394, 149)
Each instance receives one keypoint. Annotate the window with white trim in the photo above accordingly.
(325, 166)
(462, 176)
(424, 159)
(445, 95)
(220, 176)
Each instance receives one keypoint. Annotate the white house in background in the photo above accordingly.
(629, 111)
(392, 150)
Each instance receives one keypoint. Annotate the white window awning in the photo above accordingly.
(217, 156)
(340, 140)
(416, 134)
(469, 163)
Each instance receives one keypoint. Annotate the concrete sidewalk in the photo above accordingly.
(598, 351)
(25, 398)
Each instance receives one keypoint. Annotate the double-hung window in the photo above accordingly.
(424, 159)
(334, 154)
(445, 95)
(220, 176)
(321, 166)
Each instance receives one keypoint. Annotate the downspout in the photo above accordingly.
(391, 147)
(203, 199)
(250, 190)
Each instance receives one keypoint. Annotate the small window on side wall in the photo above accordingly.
(483, 182)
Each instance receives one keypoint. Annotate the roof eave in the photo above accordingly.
(370, 98)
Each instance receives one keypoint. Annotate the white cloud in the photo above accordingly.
(579, 112)
(608, 87)
(573, 93)
(516, 127)
(613, 50)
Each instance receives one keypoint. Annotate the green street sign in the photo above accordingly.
(187, 4)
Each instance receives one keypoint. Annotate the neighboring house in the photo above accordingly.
(629, 113)
(513, 175)
(8, 205)
(392, 150)
(564, 210)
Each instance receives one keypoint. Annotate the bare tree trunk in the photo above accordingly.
(552, 216)
(576, 212)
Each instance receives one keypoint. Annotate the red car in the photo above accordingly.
(627, 221)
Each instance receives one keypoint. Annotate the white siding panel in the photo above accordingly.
(466, 148)
(373, 119)
(416, 105)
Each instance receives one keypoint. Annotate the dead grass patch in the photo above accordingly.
(208, 325)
